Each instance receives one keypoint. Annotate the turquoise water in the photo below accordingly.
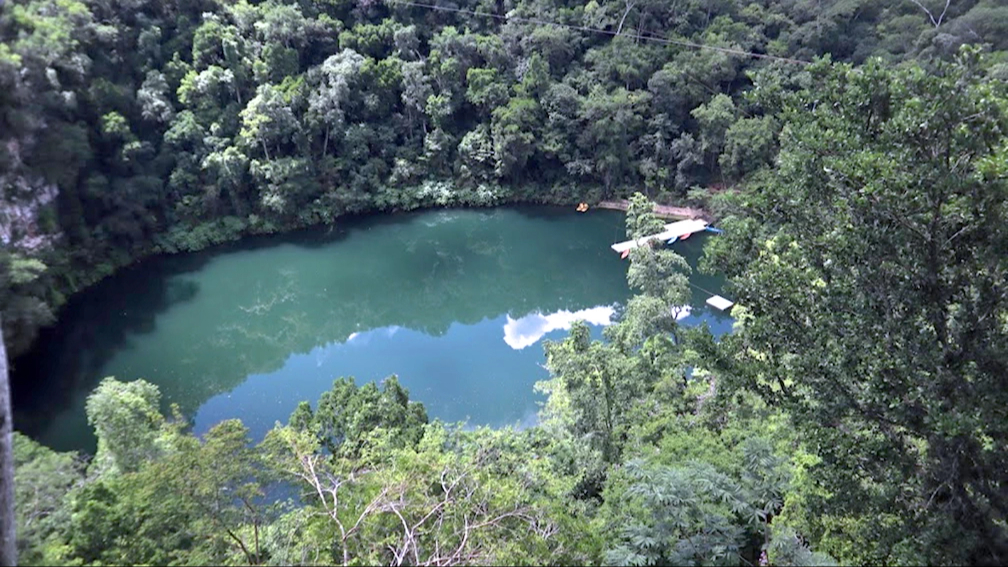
(454, 302)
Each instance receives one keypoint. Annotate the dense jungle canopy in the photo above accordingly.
(853, 151)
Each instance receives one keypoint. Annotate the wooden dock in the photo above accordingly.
(672, 231)
(661, 211)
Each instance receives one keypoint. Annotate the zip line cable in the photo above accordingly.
(638, 36)
(707, 291)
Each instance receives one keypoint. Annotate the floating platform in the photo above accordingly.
(719, 303)
(673, 231)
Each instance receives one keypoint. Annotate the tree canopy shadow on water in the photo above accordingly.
(68, 357)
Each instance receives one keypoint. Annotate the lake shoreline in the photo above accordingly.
(516, 198)
(380, 294)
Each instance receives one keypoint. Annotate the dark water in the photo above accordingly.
(455, 302)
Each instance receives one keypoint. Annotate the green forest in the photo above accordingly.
(855, 153)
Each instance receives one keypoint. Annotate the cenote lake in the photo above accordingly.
(454, 302)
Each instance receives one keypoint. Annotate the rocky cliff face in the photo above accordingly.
(23, 197)
(27, 235)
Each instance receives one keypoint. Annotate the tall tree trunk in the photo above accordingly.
(8, 542)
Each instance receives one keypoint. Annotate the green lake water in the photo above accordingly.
(454, 302)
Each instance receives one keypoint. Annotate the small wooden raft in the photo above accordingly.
(672, 231)
(719, 303)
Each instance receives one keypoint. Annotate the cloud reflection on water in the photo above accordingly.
(526, 331)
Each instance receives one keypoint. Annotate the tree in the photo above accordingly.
(23, 284)
(476, 155)
(715, 118)
(228, 169)
(513, 128)
(338, 75)
(186, 134)
(695, 514)
(611, 122)
(484, 88)
(373, 40)
(562, 105)
(641, 219)
(44, 483)
(985, 23)
(555, 43)
(267, 120)
(127, 422)
(657, 273)
(786, 548)
(689, 158)
(689, 516)
(750, 143)
(870, 270)
(416, 90)
(224, 478)
(407, 43)
(195, 502)
(207, 43)
(348, 415)
(154, 103)
(444, 501)
(935, 21)
(281, 24)
(596, 380)
(661, 274)
(285, 183)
